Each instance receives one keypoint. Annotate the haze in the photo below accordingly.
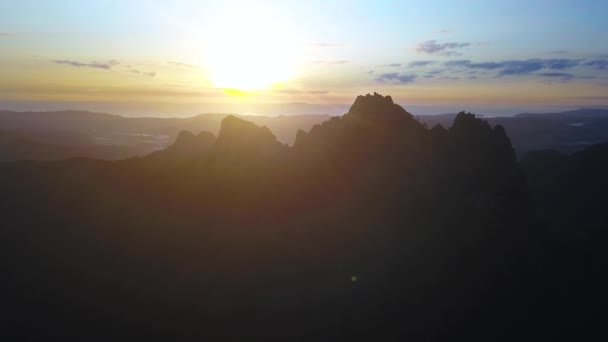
(319, 170)
(179, 58)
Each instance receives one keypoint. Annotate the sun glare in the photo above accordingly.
(250, 52)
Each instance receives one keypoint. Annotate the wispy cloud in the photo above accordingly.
(96, 65)
(549, 70)
(301, 92)
(559, 64)
(397, 78)
(435, 72)
(325, 45)
(558, 76)
(338, 61)
(418, 64)
(598, 64)
(5, 34)
(443, 31)
(143, 73)
(392, 65)
(515, 67)
(594, 97)
(444, 49)
(113, 91)
(183, 65)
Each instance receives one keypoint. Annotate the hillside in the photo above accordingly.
(370, 225)
(106, 136)
(568, 132)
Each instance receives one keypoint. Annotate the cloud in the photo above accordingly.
(558, 52)
(301, 92)
(445, 49)
(435, 72)
(560, 76)
(396, 77)
(450, 54)
(339, 61)
(515, 67)
(598, 64)
(96, 65)
(520, 67)
(443, 31)
(392, 65)
(460, 63)
(113, 91)
(183, 65)
(416, 64)
(325, 45)
(559, 64)
(550, 70)
(143, 73)
(5, 34)
(594, 97)
(564, 76)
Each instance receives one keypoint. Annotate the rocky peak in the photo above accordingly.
(188, 144)
(478, 134)
(187, 139)
(377, 107)
(244, 136)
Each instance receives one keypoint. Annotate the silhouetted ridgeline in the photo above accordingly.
(69, 134)
(371, 227)
(567, 132)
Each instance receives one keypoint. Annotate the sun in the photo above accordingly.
(250, 51)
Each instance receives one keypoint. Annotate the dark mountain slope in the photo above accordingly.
(567, 132)
(370, 227)
(106, 136)
(570, 192)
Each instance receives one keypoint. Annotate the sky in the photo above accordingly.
(183, 57)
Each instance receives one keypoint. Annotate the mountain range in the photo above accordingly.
(370, 226)
(68, 134)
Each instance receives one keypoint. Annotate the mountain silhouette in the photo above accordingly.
(239, 139)
(68, 134)
(567, 132)
(370, 227)
(187, 146)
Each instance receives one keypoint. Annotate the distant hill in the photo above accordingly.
(107, 136)
(567, 132)
(371, 226)
(570, 193)
(583, 113)
(56, 146)
(571, 190)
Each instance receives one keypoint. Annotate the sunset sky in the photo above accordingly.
(182, 57)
